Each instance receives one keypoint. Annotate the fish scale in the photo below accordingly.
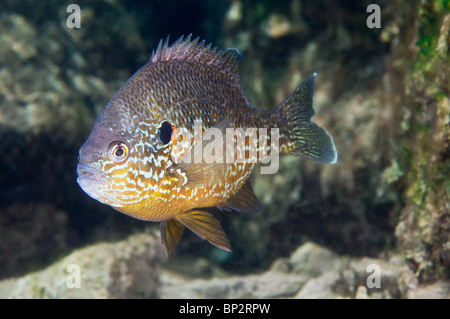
(127, 164)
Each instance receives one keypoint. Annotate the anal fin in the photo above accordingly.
(244, 200)
(171, 231)
(204, 225)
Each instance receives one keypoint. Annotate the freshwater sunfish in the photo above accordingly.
(130, 159)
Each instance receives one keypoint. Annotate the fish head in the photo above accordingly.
(103, 162)
(123, 159)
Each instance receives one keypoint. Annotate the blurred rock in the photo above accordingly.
(310, 272)
(312, 260)
(437, 290)
(320, 287)
(267, 285)
(127, 269)
(136, 268)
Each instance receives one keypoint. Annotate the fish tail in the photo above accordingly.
(303, 137)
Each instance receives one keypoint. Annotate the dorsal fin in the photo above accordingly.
(185, 49)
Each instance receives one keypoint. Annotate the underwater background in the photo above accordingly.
(382, 93)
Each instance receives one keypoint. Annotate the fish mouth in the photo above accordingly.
(92, 181)
(87, 174)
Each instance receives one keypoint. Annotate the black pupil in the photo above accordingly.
(119, 151)
(165, 132)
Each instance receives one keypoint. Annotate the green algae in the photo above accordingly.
(425, 149)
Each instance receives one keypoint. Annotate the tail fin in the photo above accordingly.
(306, 138)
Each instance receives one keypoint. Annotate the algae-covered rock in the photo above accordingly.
(423, 230)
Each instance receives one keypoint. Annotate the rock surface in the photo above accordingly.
(128, 269)
(136, 268)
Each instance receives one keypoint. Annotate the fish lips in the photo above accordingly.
(89, 177)
(92, 182)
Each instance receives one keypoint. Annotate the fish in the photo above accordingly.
(139, 157)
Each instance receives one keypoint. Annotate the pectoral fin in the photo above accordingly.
(204, 225)
(171, 231)
(206, 171)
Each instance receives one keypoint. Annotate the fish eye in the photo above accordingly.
(118, 151)
(166, 132)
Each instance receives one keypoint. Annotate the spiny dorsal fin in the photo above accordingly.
(204, 225)
(185, 49)
(244, 200)
(171, 231)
